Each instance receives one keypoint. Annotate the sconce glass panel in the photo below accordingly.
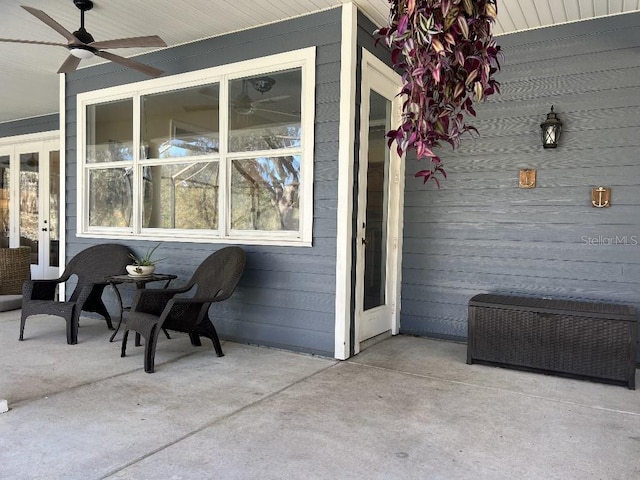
(551, 129)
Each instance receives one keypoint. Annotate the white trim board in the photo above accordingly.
(345, 181)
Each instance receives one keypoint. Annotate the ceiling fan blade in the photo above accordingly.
(199, 108)
(40, 15)
(285, 114)
(34, 42)
(270, 99)
(141, 67)
(69, 65)
(132, 42)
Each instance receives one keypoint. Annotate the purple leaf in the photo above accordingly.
(447, 57)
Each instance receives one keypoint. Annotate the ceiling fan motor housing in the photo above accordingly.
(83, 5)
(83, 36)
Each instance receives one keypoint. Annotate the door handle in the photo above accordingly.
(364, 241)
(44, 229)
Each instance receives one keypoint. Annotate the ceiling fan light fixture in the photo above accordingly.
(82, 53)
(262, 84)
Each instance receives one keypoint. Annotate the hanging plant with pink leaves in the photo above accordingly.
(447, 56)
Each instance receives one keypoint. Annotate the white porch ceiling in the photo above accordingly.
(30, 85)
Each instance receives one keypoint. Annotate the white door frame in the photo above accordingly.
(41, 143)
(378, 77)
(346, 175)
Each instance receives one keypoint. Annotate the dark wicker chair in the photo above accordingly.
(91, 267)
(155, 309)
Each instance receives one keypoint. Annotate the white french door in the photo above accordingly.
(30, 202)
(380, 182)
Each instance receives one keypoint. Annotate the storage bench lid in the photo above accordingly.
(558, 306)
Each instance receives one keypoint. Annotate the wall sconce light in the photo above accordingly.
(551, 129)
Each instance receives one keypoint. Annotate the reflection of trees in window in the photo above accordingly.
(4, 198)
(54, 195)
(182, 196)
(29, 181)
(284, 136)
(265, 190)
(111, 197)
(265, 193)
(120, 152)
(187, 146)
(111, 189)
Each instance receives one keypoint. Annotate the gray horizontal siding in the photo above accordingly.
(286, 297)
(481, 233)
(44, 123)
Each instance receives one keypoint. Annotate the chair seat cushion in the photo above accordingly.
(10, 302)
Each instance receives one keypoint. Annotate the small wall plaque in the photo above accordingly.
(601, 197)
(527, 178)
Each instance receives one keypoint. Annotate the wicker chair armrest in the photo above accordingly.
(84, 294)
(180, 312)
(192, 301)
(154, 300)
(40, 289)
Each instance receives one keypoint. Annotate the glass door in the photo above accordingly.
(37, 199)
(377, 242)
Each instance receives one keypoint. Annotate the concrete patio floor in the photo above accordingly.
(406, 408)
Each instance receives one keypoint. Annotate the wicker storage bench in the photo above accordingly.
(595, 341)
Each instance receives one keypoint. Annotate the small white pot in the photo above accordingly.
(140, 270)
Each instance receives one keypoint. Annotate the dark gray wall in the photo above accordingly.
(44, 123)
(481, 233)
(286, 298)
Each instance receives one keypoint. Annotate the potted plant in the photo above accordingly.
(447, 56)
(145, 265)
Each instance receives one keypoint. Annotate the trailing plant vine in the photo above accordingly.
(447, 56)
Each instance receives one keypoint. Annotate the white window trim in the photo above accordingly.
(303, 58)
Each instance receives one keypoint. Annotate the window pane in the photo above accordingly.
(181, 123)
(4, 201)
(54, 208)
(29, 211)
(110, 131)
(377, 208)
(183, 195)
(264, 111)
(110, 197)
(264, 194)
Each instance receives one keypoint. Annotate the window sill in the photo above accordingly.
(279, 242)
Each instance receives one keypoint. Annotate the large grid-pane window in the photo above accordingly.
(225, 158)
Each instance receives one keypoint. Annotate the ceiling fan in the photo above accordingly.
(244, 105)
(81, 44)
